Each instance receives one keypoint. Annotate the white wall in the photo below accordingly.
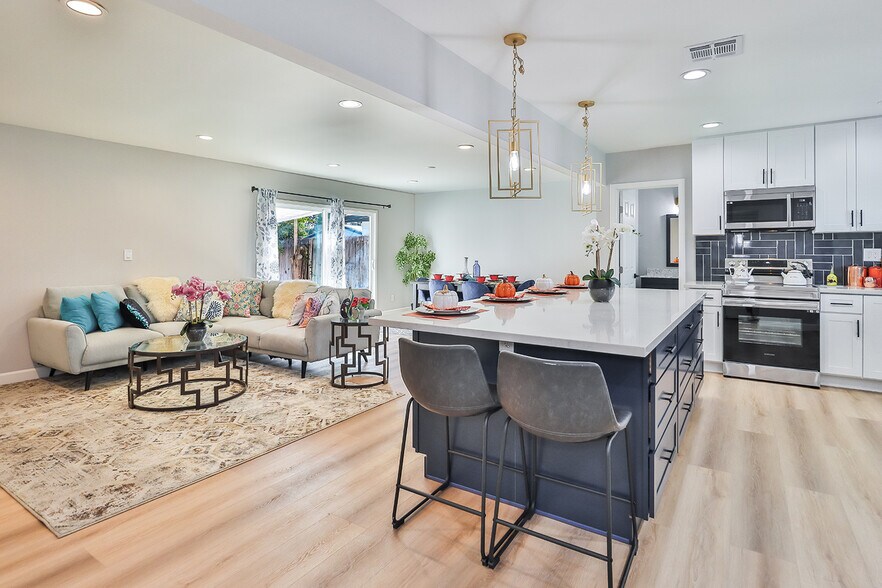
(69, 206)
(523, 237)
(662, 163)
(652, 206)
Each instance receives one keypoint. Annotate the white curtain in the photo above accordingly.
(335, 246)
(267, 236)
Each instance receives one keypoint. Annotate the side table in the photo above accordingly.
(353, 342)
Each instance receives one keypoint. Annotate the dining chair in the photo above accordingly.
(473, 290)
(436, 285)
(525, 285)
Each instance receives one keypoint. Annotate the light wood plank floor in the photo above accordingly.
(775, 486)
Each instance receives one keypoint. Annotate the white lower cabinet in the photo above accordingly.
(713, 333)
(842, 344)
(871, 333)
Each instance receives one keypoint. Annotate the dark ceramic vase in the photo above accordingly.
(601, 290)
(196, 332)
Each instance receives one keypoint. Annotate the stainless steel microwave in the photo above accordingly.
(771, 208)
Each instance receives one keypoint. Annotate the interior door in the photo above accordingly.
(628, 243)
(792, 157)
(744, 161)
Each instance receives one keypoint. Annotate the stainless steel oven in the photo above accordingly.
(775, 340)
(770, 208)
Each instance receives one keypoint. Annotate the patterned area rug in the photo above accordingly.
(75, 458)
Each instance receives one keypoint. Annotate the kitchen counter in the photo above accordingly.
(850, 290)
(632, 324)
(705, 285)
(649, 345)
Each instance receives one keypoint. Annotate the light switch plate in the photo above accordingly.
(873, 254)
(127, 255)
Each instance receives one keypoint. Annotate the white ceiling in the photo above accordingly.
(804, 61)
(145, 77)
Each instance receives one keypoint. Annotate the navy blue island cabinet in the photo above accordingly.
(659, 388)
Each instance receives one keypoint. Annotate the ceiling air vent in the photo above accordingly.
(714, 49)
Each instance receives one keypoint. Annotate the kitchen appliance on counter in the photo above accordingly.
(771, 331)
(770, 208)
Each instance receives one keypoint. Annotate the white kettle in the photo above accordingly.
(741, 272)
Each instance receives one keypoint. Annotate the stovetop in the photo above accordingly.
(767, 281)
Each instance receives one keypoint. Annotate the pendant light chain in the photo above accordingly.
(585, 123)
(517, 65)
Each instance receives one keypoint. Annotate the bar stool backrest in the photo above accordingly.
(436, 285)
(473, 290)
(445, 379)
(563, 401)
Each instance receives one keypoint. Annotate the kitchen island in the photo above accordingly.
(649, 346)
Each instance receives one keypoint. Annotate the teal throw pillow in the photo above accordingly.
(79, 312)
(106, 309)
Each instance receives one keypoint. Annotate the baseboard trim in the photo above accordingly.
(851, 383)
(713, 366)
(23, 375)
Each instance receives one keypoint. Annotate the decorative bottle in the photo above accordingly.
(476, 269)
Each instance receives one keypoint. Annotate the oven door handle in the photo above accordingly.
(810, 306)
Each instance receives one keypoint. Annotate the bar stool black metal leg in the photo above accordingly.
(635, 543)
(396, 522)
(493, 558)
(609, 559)
(483, 486)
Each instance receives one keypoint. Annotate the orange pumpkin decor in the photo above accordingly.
(572, 279)
(505, 290)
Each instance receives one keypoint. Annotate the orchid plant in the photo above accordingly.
(599, 239)
(194, 292)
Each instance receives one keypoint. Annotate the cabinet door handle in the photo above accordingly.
(771, 176)
(852, 218)
(764, 176)
(718, 320)
(858, 323)
(721, 222)
(862, 217)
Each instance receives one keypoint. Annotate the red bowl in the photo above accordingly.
(437, 276)
(481, 279)
(448, 278)
(494, 277)
(511, 278)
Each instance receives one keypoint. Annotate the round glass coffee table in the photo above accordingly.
(210, 350)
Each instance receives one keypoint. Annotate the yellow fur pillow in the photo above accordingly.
(161, 303)
(286, 295)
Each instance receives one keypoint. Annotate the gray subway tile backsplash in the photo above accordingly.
(826, 250)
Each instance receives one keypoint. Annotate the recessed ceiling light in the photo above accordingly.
(205, 137)
(350, 104)
(333, 165)
(86, 7)
(711, 125)
(430, 166)
(465, 146)
(694, 74)
(413, 181)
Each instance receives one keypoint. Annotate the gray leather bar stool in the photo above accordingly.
(426, 371)
(566, 402)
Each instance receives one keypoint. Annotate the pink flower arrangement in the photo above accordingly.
(362, 302)
(194, 292)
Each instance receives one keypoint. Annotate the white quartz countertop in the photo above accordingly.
(850, 290)
(705, 285)
(633, 323)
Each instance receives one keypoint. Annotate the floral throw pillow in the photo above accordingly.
(312, 310)
(244, 297)
(212, 309)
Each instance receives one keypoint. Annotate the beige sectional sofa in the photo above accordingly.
(63, 346)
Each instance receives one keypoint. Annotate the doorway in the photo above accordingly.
(653, 258)
(303, 235)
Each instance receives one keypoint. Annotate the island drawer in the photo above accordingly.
(665, 353)
(689, 326)
(664, 457)
(665, 401)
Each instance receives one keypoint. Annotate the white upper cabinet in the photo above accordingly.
(791, 157)
(771, 159)
(869, 175)
(835, 178)
(707, 186)
(744, 161)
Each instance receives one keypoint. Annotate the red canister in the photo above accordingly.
(875, 272)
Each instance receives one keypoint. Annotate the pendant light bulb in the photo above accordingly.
(514, 161)
(586, 188)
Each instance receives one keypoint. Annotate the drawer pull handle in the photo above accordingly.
(687, 362)
(669, 350)
(670, 457)
(667, 396)
(842, 304)
(690, 326)
(708, 296)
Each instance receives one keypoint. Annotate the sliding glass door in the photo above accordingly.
(304, 255)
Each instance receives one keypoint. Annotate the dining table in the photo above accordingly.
(455, 284)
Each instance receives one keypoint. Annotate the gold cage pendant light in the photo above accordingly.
(586, 183)
(515, 167)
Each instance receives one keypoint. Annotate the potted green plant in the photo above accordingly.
(415, 258)
(602, 282)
